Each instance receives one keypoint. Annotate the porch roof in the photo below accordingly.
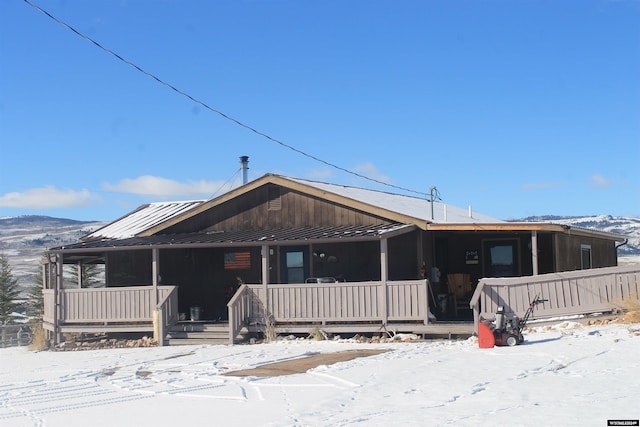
(528, 227)
(328, 234)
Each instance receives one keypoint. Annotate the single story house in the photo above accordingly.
(309, 252)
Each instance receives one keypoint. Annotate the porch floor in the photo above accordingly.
(432, 330)
(192, 332)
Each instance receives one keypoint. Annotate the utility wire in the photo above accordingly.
(228, 182)
(204, 105)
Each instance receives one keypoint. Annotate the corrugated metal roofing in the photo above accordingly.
(141, 219)
(406, 205)
(148, 216)
(256, 237)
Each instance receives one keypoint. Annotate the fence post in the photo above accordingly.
(427, 292)
(158, 326)
(59, 286)
(232, 325)
(384, 273)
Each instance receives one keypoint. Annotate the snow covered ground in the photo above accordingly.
(567, 374)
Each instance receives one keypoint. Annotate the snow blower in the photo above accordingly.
(505, 331)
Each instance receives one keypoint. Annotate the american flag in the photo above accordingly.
(237, 260)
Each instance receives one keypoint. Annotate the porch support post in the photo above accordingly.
(384, 275)
(534, 251)
(556, 254)
(420, 257)
(58, 298)
(79, 270)
(157, 313)
(154, 275)
(264, 252)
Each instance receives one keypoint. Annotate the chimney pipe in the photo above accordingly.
(244, 161)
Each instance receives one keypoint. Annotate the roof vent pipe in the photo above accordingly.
(244, 161)
(444, 212)
(470, 212)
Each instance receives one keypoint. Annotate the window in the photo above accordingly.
(501, 258)
(295, 267)
(585, 257)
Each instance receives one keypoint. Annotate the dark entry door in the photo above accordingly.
(501, 258)
(294, 264)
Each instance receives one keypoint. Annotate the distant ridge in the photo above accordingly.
(25, 238)
(627, 226)
(12, 221)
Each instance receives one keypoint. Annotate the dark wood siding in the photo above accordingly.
(251, 211)
(603, 252)
(403, 257)
(350, 261)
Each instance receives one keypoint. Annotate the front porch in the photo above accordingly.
(358, 307)
(342, 307)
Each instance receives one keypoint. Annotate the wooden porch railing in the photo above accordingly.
(104, 306)
(48, 306)
(568, 293)
(239, 310)
(167, 314)
(329, 302)
(130, 304)
(168, 305)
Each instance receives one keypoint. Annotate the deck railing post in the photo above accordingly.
(154, 276)
(158, 325)
(238, 311)
(58, 298)
(384, 273)
(475, 304)
(534, 252)
(427, 287)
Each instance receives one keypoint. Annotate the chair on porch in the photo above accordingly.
(460, 290)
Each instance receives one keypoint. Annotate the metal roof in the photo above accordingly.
(143, 218)
(245, 238)
(415, 207)
(152, 218)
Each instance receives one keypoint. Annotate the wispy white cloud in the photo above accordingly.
(48, 197)
(369, 170)
(599, 182)
(162, 187)
(531, 186)
(320, 174)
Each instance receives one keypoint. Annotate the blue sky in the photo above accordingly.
(517, 108)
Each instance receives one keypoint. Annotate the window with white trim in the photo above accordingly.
(585, 257)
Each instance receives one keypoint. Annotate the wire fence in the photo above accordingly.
(15, 335)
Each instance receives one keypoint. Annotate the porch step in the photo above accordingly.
(190, 333)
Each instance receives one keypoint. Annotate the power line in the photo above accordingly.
(228, 182)
(204, 105)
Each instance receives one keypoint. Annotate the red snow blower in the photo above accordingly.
(505, 331)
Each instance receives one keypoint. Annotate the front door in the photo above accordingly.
(294, 265)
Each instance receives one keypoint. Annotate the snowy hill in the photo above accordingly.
(23, 240)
